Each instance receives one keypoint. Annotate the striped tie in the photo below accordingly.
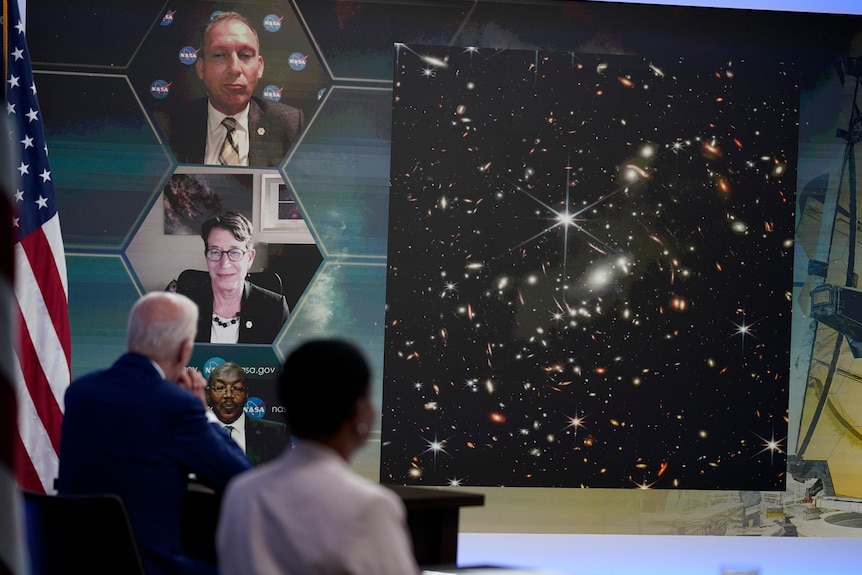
(229, 154)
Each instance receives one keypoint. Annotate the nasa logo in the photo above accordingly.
(272, 93)
(168, 18)
(297, 61)
(188, 55)
(211, 364)
(159, 89)
(272, 23)
(255, 407)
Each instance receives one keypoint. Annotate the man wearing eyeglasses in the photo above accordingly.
(227, 394)
(232, 126)
(232, 309)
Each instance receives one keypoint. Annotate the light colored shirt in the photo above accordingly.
(307, 512)
(216, 133)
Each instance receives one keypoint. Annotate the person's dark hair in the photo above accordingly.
(234, 222)
(320, 384)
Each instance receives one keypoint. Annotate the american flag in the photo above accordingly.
(41, 369)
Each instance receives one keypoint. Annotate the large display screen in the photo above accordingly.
(583, 244)
(589, 269)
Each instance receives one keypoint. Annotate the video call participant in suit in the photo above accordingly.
(227, 394)
(231, 126)
(308, 511)
(232, 309)
(138, 428)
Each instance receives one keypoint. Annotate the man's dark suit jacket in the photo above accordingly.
(261, 314)
(130, 432)
(264, 440)
(272, 128)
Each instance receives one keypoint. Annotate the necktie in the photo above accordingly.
(229, 154)
(229, 430)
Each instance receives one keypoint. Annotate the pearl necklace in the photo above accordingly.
(221, 323)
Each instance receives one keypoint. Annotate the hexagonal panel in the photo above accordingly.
(106, 158)
(70, 38)
(101, 293)
(165, 77)
(340, 171)
(168, 241)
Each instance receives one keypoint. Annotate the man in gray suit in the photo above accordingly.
(227, 394)
(231, 126)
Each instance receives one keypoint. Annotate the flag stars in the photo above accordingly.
(16, 222)
(13, 81)
(17, 53)
(42, 202)
(33, 115)
(10, 108)
(20, 27)
(19, 196)
(24, 168)
(27, 141)
(45, 175)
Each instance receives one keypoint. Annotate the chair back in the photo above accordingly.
(75, 534)
(189, 280)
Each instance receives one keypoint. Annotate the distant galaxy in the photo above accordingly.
(590, 264)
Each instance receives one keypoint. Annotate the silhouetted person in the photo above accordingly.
(308, 512)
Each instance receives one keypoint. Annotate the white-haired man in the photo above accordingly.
(138, 428)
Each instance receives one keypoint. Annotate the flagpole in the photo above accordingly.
(12, 549)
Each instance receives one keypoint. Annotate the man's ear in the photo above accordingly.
(199, 67)
(184, 353)
(260, 68)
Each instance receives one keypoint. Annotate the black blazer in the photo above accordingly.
(261, 314)
(272, 128)
(264, 440)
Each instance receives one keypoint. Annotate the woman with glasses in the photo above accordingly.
(232, 309)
